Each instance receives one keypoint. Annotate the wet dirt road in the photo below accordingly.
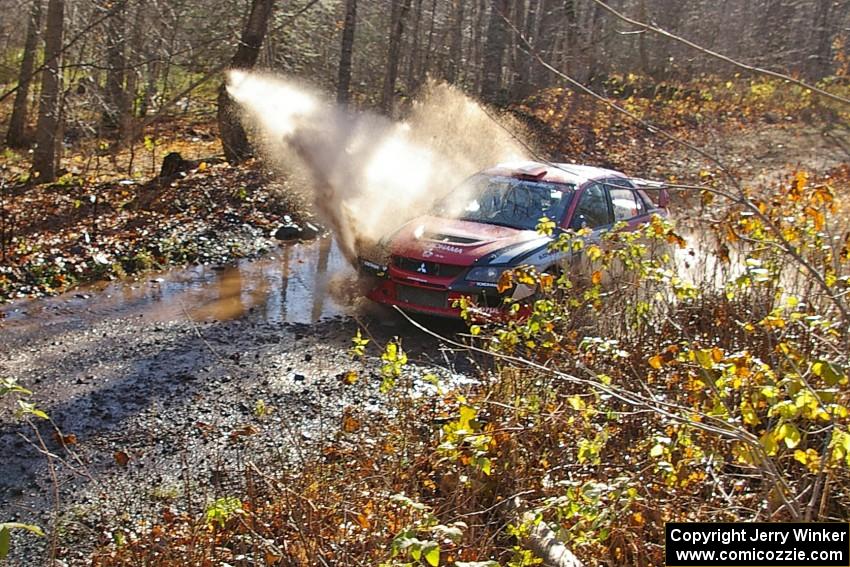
(160, 381)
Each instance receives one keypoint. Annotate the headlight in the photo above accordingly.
(485, 275)
(373, 267)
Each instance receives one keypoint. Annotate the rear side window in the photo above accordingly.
(592, 210)
(626, 204)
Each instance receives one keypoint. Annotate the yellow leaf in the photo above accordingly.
(800, 180)
(749, 414)
(505, 281)
(817, 217)
(789, 433)
(823, 194)
(742, 453)
(656, 362)
(674, 238)
(716, 354)
(704, 359)
(768, 442)
(596, 278)
(350, 377)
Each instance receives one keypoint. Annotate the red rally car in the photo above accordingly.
(488, 225)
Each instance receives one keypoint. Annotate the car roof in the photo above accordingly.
(570, 173)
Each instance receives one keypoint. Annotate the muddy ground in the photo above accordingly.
(156, 383)
(163, 404)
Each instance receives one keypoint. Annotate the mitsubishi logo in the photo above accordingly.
(422, 269)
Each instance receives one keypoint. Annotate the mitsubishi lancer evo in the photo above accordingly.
(489, 225)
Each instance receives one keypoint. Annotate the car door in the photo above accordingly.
(593, 211)
(627, 204)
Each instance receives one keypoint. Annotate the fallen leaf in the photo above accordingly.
(65, 440)
(350, 377)
(244, 431)
(350, 424)
(122, 458)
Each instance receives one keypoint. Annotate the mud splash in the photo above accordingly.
(368, 174)
(293, 284)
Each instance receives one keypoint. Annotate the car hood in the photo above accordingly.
(461, 243)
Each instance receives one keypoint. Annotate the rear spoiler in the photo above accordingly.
(663, 198)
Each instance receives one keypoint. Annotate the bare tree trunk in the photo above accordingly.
(456, 50)
(510, 65)
(134, 60)
(824, 34)
(521, 58)
(429, 48)
(494, 50)
(151, 75)
(592, 65)
(413, 65)
(234, 140)
(523, 81)
(572, 35)
(16, 135)
(543, 40)
(46, 155)
(399, 13)
(344, 81)
(152, 69)
(477, 48)
(115, 114)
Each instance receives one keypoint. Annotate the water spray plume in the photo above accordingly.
(368, 175)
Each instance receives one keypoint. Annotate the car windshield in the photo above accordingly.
(507, 201)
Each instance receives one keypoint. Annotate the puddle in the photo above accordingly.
(289, 285)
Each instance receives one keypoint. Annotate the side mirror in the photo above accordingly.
(663, 198)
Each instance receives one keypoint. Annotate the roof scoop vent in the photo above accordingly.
(532, 171)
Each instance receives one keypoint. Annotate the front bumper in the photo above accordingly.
(432, 296)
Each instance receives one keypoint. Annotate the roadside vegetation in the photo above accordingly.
(25, 410)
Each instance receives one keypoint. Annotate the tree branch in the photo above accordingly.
(83, 33)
